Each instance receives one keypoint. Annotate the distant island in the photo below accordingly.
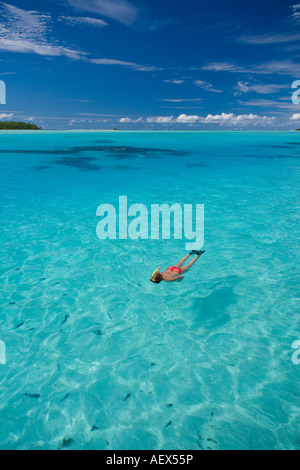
(21, 126)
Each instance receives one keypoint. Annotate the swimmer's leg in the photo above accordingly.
(191, 263)
(182, 261)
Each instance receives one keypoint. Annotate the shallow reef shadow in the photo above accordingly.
(212, 310)
(82, 163)
(195, 165)
(118, 152)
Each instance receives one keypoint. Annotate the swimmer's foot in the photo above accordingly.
(198, 253)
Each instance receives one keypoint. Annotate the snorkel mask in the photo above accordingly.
(156, 271)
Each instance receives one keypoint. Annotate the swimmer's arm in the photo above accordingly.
(174, 279)
(178, 279)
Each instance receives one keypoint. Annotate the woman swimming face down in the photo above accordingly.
(175, 273)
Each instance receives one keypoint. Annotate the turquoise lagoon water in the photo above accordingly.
(100, 358)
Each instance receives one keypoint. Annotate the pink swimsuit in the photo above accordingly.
(174, 269)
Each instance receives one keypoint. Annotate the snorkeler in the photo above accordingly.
(175, 273)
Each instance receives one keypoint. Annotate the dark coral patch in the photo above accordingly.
(195, 165)
(117, 151)
(41, 167)
(82, 163)
(123, 167)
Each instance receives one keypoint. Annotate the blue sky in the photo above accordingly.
(193, 64)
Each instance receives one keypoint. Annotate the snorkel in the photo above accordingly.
(156, 271)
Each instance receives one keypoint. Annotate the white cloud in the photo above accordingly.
(122, 63)
(129, 120)
(229, 119)
(29, 23)
(260, 88)
(284, 67)
(119, 10)
(206, 86)
(223, 67)
(160, 120)
(184, 119)
(99, 115)
(175, 82)
(6, 116)
(270, 38)
(279, 38)
(26, 32)
(296, 12)
(182, 100)
(295, 117)
(218, 117)
(268, 104)
(83, 21)
(182, 107)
